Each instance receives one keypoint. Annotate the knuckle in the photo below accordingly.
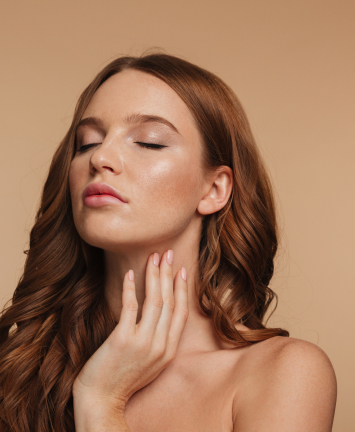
(145, 345)
(169, 355)
(184, 313)
(131, 305)
(122, 341)
(154, 269)
(170, 303)
(118, 339)
(167, 270)
(159, 351)
(158, 301)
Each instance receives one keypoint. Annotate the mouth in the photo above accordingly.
(96, 194)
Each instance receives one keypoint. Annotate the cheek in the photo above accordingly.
(170, 186)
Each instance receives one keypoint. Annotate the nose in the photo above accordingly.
(106, 157)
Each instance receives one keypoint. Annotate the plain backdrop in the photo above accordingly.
(291, 63)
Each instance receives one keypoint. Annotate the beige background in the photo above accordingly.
(292, 64)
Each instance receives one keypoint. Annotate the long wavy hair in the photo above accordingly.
(59, 317)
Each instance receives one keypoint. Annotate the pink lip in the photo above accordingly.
(97, 194)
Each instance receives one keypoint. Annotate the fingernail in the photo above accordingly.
(170, 256)
(131, 275)
(156, 259)
(183, 273)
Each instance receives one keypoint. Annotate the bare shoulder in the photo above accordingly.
(300, 364)
(283, 353)
(288, 382)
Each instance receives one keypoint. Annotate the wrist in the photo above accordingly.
(93, 415)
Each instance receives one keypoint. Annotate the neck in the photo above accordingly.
(198, 334)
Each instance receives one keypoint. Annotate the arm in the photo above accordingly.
(295, 391)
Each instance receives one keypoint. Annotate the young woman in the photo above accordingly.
(142, 300)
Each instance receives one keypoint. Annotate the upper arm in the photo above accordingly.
(295, 391)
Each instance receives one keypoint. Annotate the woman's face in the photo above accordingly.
(161, 187)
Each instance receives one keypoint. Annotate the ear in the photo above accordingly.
(217, 191)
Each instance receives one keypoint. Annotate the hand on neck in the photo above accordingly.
(118, 264)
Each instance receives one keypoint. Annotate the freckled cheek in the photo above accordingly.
(169, 184)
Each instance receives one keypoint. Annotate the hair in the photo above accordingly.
(59, 316)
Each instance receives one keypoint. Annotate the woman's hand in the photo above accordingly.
(134, 354)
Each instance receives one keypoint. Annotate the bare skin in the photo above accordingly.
(171, 371)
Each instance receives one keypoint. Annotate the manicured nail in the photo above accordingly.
(131, 275)
(183, 273)
(156, 259)
(170, 256)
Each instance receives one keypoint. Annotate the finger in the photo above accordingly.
(153, 302)
(181, 312)
(167, 291)
(129, 310)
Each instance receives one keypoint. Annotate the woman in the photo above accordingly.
(146, 281)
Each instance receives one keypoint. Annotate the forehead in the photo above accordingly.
(130, 92)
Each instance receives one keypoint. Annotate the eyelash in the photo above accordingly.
(85, 147)
(147, 145)
(141, 144)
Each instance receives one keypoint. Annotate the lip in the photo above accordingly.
(96, 194)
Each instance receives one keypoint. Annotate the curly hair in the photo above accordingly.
(59, 316)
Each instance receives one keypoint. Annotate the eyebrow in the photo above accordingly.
(130, 119)
(146, 118)
(91, 121)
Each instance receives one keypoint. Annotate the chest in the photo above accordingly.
(193, 395)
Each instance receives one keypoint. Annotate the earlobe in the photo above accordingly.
(218, 192)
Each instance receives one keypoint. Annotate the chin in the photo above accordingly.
(119, 241)
(123, 235)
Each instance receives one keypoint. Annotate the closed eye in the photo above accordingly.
(86, 146)
(142, 144)
(150, 145)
